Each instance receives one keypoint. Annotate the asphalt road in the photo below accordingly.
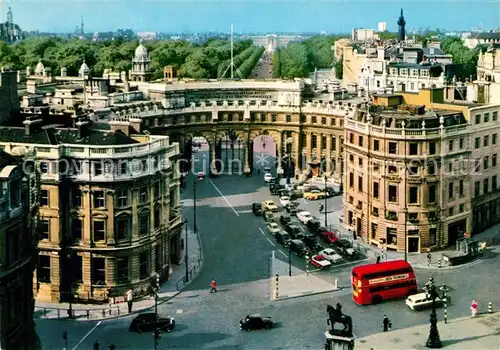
(237, 255)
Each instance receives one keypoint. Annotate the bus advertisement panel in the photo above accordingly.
(374, 283)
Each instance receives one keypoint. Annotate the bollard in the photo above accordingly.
(103, 312)
(110, 312)
(439, 263)
(58, 313)
(276, 295)
(336, 286)
(45, 312)
(445, 316)
(490, 308)
(118, 310)
(88, 314)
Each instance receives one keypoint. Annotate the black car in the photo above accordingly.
(257, 209)
(285, 219)
(283, 237)
(296, 194)
(255, 321)
(312, 243)
(293, 211)
(314, 225)
(345, 247)
(330, 192)
(294, 230)
(291, 206)
(148, 322)
(298, 247)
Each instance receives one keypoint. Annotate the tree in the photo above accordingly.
(339, 68)
(462, 54)
(387, 35)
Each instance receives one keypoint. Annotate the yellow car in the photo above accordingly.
(314, 195)
(269, 206)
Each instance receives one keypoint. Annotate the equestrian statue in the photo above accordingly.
(336, 316)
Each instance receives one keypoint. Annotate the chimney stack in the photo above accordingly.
(31, 86)
(29, 125)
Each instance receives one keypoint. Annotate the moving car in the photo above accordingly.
(291, 205)
(330, 255)
(320, 261)
(148, 322)
(269, 217)
(285, 219)
(345, 247)
(293, 211)
(200, 175)
(312, 243)
(255, 321)
(294, 231)
(420, 301)
(257, 209)
(269, 206)
(273, 228)
(283, 237)
(314, 225)
(314, 194)
(304, 216)
(329, 237)
(298, 247)
(268, 177)
(284, 201)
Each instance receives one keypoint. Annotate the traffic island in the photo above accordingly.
(301, 283)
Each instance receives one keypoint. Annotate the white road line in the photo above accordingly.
(86, 335)
(262, 231)
(224, 197)
(282, 253)
(274, 245)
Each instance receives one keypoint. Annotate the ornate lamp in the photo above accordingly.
(433, 342)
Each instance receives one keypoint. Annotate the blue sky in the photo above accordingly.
(332, 16)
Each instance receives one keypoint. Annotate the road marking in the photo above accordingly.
(86, 335)
(180, 311)
(262, 231)
(224, 197)
(282, 252)
(350, 263)
(274, 245)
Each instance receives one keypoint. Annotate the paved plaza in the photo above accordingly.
(237, 252)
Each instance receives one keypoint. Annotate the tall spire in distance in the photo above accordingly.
(10, 16)
(82, 28)
(401, 27)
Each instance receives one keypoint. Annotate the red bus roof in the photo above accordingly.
(388, 265)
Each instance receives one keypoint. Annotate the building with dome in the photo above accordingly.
(141, 64)
(84, 71)
(41, 74)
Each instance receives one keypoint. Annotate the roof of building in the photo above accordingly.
(141, 51)
(6, 159)
(431, 67)
(39, 67)
(65, 136)
(487, 35)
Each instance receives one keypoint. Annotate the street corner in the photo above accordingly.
(305, 284)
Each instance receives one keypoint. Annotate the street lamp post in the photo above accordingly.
(326, 210)
(156, 290)
(289, 260)
(195, 227)
(186, 252)
(70, 275)
(433, 342)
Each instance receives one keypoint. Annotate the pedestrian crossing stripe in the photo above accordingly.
(180, 311)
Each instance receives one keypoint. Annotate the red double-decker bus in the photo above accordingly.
(374, 283)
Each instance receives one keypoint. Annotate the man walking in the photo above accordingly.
(378, 259)
(130, 300)
(474, 308)
(386, 323)
(321, 207)
(429, 258)
(213, 285)
(96, 345)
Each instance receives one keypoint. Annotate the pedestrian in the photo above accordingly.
(96, 345)
(130, 300)
(378, 259)
(386, 323)
(353, 235)
(258, 172)
(429, 258)
(112, 347)
(321, 207)
(213, 285)
(474, 308)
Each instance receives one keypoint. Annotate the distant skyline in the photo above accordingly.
(339, 16)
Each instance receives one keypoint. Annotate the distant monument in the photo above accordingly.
(339, 339)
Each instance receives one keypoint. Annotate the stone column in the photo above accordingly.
(279, 155)
(328, 157)
(296, 151)
(307, 157)
(246, 168)
(213, 168)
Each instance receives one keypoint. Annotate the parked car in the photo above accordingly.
(420, 301)
(304, 217)
(330, 254)
(330, 192)
(269, 206)
(255, 321)
(268, 177)
(294, 231)
(314, 225)
(345, 248)
(312, 243)
(257, 209)
(273, 228)
(269, 217)
(291, 205)
(314, 194)
(283, 237)
(320, 261)
(284, 201)
(329, 238)
(274, 190)
(298, 247)
(148, 322)
(285, 219)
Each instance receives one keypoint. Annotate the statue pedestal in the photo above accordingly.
(336, 340)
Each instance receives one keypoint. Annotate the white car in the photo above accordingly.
(330, 255)
(268, 177)
(420, 301)
(320, 261)
(284, 201)
(304, 217)
(273, 228)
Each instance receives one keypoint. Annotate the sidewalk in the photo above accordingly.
(299, 284)
(481, 332)
(168, 290)
(417, 260)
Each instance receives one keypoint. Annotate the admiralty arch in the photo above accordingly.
(308, 131)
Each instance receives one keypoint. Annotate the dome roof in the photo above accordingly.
(84, 67)
(141, 51)
(39, 67)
